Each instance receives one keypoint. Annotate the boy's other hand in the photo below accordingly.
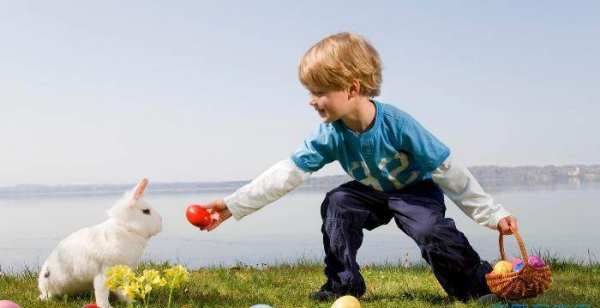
(507, 225)
(218, 213)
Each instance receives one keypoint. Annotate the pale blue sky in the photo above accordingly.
(112, 91)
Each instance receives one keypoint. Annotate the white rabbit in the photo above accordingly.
(79, 262)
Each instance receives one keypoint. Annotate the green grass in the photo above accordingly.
(287, 285)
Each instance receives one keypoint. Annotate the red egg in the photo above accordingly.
(91, 306)
(198, 216)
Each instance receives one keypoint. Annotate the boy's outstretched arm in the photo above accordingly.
(269, 186)
(460, 186)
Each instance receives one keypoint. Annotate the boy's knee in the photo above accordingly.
(333, 205)
(424, 233)
(443, 231)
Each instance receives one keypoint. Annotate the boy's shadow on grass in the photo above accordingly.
(212, 297)
(413, 295)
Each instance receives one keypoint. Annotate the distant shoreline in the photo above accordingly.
(492, 178)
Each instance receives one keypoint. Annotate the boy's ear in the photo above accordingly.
(138, 192)
(354, 90)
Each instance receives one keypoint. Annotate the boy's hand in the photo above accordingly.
(507, 225)
(218, 213)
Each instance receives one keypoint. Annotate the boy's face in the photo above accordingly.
(331, 105)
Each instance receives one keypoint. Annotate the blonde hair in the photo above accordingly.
(336, 61)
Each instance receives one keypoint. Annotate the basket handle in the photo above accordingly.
(519, 241)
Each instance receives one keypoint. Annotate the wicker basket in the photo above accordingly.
(526, 283)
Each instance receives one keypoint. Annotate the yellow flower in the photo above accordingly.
(144, 284)
(132, 290)
(176, 276)
(118, 276)
(152, 278)
(121, 277)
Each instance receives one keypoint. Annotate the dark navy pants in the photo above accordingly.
(419, 211)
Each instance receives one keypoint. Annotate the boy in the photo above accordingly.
(401, 171)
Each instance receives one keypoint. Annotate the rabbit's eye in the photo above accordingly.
(146, 211)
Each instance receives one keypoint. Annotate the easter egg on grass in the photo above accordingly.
(198, 216)
(91, 306)
(517, 264)
(502, 267)
(8, 304)
(536, 262)
(346, 301)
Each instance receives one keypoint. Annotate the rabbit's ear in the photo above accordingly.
(138, 192)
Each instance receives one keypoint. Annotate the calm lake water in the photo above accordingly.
(562, 222)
